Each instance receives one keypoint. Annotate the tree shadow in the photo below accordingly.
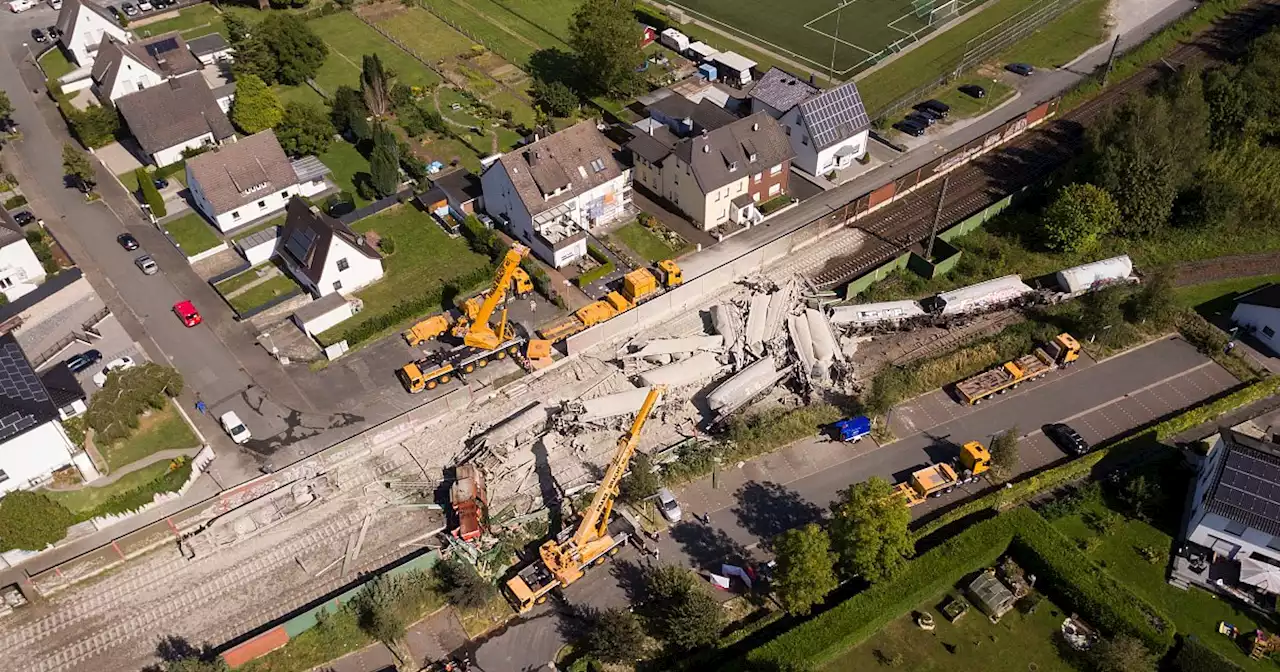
(767, 509)
(555, 65)
(577, 621)
(708, 547)
(631, 577)
(174, 649)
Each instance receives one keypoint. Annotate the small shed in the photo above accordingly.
(260, 246)
(991, 595)
(701, 51)
(648, 35)
(210, 49)
(324, 313)
(674, 39)
(708, 72)
(1259, 312)
(734, 67)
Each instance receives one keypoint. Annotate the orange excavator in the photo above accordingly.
(564, 559)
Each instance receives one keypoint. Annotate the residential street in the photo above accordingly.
(752, 502)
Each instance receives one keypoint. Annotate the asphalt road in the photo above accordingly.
(752, 502)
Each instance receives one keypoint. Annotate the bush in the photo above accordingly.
(113, 412)
(149, 192)
(31, 521)
(15, 202)
(1193, 656)
(463, 585)
(132, 500)
(412, 307)
(605, 268)
(482, 240)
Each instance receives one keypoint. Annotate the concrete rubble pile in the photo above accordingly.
(727, 322)
(757, 323)
(659, 347)
(698, 368)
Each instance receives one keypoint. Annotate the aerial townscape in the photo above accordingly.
(637, 336)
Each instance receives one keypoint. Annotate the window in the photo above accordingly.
(1262, 557)
(733, 166)
(805, 141)
(1268, 332)
(788, 128)
(3, 476)
(343, 265)
(6, 283)
(262, 205)
(1234, 528)
(337, 284)
(759, 176)
(235, 215)
(284, 194)
(775, 170)
(597, 165)
(775, 189)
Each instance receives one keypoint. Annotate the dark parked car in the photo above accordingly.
(910, 128)
(129, 9)
(23, 218)
(160, 182)
(38, 35)
(936, 106)
(84, 360)
(929, 114)
(1067, 438)
(973, 91)
(54, 33)
(127, 241)
(1023, 69)
(920, 119)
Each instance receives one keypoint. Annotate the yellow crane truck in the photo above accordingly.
(435, 326)
(939, 479)
(481, 341)
(1058, 353)
(564, 559)
(638, 286)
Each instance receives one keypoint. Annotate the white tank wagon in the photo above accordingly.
(983, 296)
(871, 314)
(1093, 275)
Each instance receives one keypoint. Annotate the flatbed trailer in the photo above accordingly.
(430, 372)
(941, 478)
(1060, 352)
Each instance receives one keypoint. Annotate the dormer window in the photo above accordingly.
(597, 165)
(751, 158)
(733, 166)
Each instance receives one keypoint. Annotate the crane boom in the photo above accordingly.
(479, 334)
(596, 518)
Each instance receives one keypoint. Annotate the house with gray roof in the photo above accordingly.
(20, 271)
(718, 177)
(550, 193)
(127, 67)
(247, 181)
(828, 129)
(83, 24)
(211, 49)
(323, 254)
(175, 115)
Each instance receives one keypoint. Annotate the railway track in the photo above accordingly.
(1030, 157)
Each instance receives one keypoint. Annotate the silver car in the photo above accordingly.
(147, 265)
(669, 507)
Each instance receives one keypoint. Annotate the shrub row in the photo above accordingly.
(1076, 469)
(15, 202)
(605, 268)
(1065, 572)
(129, 500)
(149, 193)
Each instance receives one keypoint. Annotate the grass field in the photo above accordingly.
(55, 63)
(644, 243)
(162, 430)
(89, 498)
(349, 40)
(192, 233)
(511, 36)
(1215, 297)
(964, 106)
(346, 163)
(426, 34)
(424, 259)
(192, 21)
(1060, 42)
(259, 295)
(1019, 642)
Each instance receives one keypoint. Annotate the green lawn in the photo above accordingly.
(239, 280)
(159, 431)
(176, 171)
(260, 294)
(192, 21)
(1194, 611)
(964, 106)
(1215, 297)
(1060, 42)
(645, 243)
(349, 39)
(301, 93)
(424, 259)
(426, 34)
(522, 113)
(513, 40)
(346, 163)
(1019, 642)
(88, 498)
(192, 234)
(55, 63)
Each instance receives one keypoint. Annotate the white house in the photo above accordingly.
(122, 68)
(828, 129)
(246, 181)
(325, 313)
(1260, 311)
(550, 193)
(1235, 511)
(176, 115)
(323, 254)
(33, 443)
(83, 24)
(20, 270)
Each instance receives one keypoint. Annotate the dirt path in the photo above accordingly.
(493, 135)
(1225, 268)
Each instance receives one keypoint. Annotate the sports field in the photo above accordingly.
(861, 32)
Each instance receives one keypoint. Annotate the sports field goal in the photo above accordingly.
(934, 11)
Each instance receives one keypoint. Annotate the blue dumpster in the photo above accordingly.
(853, 429)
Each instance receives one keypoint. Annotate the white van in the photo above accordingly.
(21, 5)
(56, 4)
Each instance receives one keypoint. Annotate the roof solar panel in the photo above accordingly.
(299, 244)
(158, 48)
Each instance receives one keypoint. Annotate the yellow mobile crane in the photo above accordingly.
(481, 341)
(565, 558)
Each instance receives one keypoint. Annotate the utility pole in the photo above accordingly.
(1111, 58)
(835, 41)
(937, 216)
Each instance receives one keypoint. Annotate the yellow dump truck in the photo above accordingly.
(941, 478)
(424, 331)
(1058, 353)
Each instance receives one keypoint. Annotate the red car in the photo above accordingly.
(186, 311)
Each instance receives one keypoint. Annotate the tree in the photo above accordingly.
(237, 29)
(6, 107)
(1155, 301)
(1078, 217)
(463, 585)
(253, 57)
(806, 568)
(31, 521)
(256, 107)
(376, 85)
(150, 195)
(604, 39)
(76, 165)
(347, 107)
(1125, 653)
(377, 612)
(1004, 454)
(1228, 103)
(614, 636)
(555, 98)
(642, 482)
(305, 129)
(1102, 310)
(678, 608)
(298, 51)
(384, 164)
(869, 530)
(95, 126)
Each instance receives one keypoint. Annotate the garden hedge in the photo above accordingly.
(1062, 570)
(150, 194)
